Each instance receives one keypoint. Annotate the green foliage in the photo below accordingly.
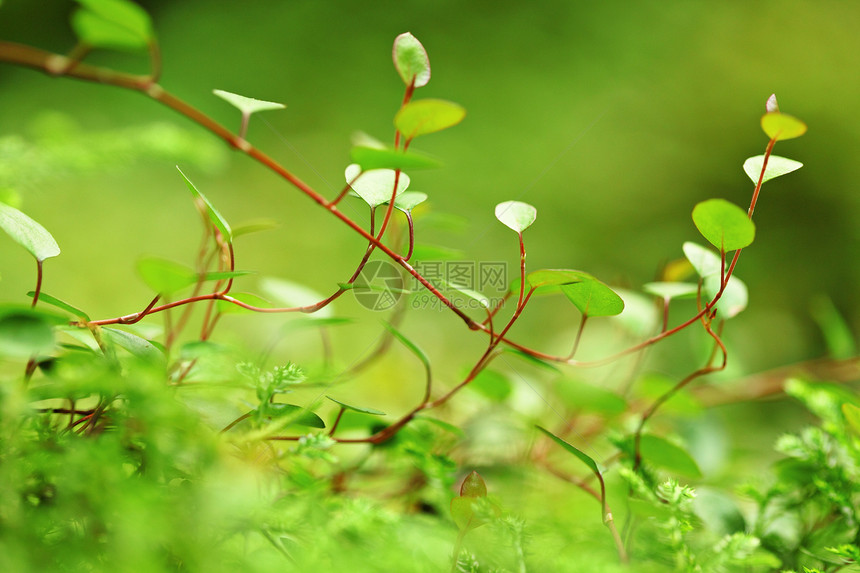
(130, 446)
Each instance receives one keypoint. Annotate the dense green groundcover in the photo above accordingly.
(166, 439)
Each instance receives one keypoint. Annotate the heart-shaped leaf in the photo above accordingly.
(704, 260)
(516, 215)
(427, 116)
(724, 224)
(375, 186)
(781, 126)
(776, 166)
(247, 105)
(410, 60)
(28, 233)
(593, 298)
(409, 200)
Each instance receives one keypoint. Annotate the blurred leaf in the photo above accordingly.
(473, 486)
(371, 411)
(660, 452)
(224, 275)
(214, 216)
(442, 424)
(254, 227)
(28, 233)
(10, 197)
(593, 298)
(776, 166)
(116, 24)
(163, 276)
(516, 215)
(427, 116)
(532, 359)
(135, 345)
(579, 395)
(781, 126)
(410, 60)
(471, 294)
(290, 294)
(718, 510)
(375, 158)
(414, 348)
(25, 332)
(837, 334)
(463, 513)
(248, 298)
(492, 384)
(852, 416)
(436, 253)
(300, 416)
(583, 457)
(247, 105)
(671, 290)
(639, 317)
(724, 224)
(53, 301)
(375, 186)
(735, 296)
(652, 386)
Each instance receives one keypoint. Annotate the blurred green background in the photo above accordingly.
(613, 118)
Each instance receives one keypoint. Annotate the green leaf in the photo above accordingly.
(837, 334)
(534, 360)
(28, 233)
(471, 294)
(163, 276)
(448, 427)
(781, 126)
(579, 395)
(660, 452)
(852, 416)
(640, 317)
(516, 215)
(584, 458)
(724, 224)
(375, 186)
(290, 294)
(414, 348)
(386, 158)
(25, 332)
(224, 275)
(254, 227)
(436, 253)
(427, 116)
(554, 277)
(671, 290)
(247, 105)
(248, 298)
(409, 200)
(10, 197)
(53, 301)
(214, 216)
(492, 384)
(116, 24)
(410, 60)
(473, 486)
(300, 416)
(370, 411)
(776, 166)
(593, 298)
(463, 513)
(137, 346)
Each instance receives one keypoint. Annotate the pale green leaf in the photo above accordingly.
(410, 60)
(375, 186)
(776, 166)
(28, 233)
(290, 294)
(554, 277)
(671, 290)
(705, 261)
(25, 332)
(247, 105)
(660, 452)
(163, 276)
(427, 116)
(516, 215)
(135, 345)
(734, 299)
(409, 200)
(116, 24)
(386, 158)
(581, 396)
